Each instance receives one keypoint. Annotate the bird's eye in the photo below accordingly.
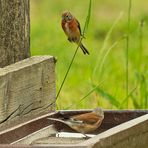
(69, 17)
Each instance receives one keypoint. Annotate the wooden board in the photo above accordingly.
(42, 133)
(131, 134)
(119, 126)
(27, 90)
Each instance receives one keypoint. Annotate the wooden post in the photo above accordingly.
(27, 88)
(14, 31)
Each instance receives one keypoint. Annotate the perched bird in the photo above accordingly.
(83, 123)
(72, 29)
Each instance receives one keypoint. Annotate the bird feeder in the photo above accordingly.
(27, 97)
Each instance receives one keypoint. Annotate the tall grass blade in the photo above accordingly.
(141, 42)
(135, 102)
(127, 51)
(108, 97)
(143, 90)
(104, 47)
(129, 95)
(83, 98)
(85, 27)
(87, 18)
(106, 54)
(67, 72)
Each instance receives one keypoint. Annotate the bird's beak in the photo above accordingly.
(62, 18)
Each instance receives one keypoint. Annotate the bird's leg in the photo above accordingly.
(73, 39)
(86, 137)
(69, 39)
(58, 135)
(83, 36)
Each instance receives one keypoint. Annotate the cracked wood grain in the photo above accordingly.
(27, 90)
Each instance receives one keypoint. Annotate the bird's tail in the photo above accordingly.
(58, 120)
(85, 51)
(68, 122)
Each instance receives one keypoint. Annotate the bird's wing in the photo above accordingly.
(80, 29)
(79, 26)
(87, 118)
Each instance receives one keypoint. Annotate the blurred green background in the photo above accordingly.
(106, 42)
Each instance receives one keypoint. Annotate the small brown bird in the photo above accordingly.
(72, 29)
(84, 123)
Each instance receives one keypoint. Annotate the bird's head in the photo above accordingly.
(67, 16)
(99, 111)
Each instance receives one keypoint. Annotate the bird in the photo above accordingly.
(83, 123)
(72, 29)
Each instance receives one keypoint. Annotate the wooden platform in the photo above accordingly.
(120, 128)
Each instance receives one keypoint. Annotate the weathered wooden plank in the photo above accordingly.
(14, 31)
(44, 132)
(131, 134)
(112, 118)
(27, 90)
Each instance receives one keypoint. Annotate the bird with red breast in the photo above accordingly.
(72, 29)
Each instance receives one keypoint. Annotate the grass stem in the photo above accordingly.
(72, 60)
(127, 51)
(67, 72)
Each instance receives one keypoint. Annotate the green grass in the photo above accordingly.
(106, 43)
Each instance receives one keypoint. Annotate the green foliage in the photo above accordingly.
(140, 99)
(105, 39)
(108, 97)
